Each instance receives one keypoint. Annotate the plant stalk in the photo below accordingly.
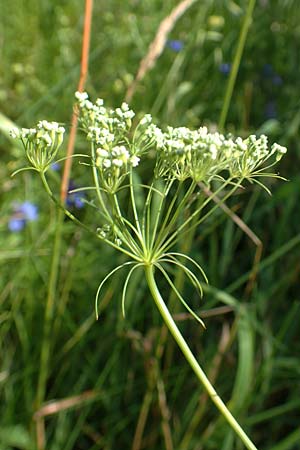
(49, 312)
(236, 64)
(149, 272)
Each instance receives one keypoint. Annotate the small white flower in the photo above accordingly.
(241, 144)
(119, 112)
(117, 162)
(147, 119)
(124, 107)
(279, 148)
(81, 96)
(106, 163)
(202, 131)
(101, 152)
(122, 152)
(214, 151)
(129, 114)
(46, 137)
(88, 105)
(15, 133)
(25, 132)
(99, 102)
(134, 161)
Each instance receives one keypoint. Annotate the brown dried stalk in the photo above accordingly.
(165, 413)
(80, 88)
(157, 45)
(241, 224)
(54, 407)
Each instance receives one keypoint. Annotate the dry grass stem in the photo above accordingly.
(165, 413)
(220, 310)
(40, 433)
(142, 419)
(158, 44)
(241, 224)
(56, 406)
(82, 79)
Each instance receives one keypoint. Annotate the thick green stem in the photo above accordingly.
(149, 271)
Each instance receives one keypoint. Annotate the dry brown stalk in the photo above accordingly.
(241, 224)
(158, 44)
(80, 88)
(56, 406)
(40, 425)
(40, 433)
(218, 311)
(165, 413)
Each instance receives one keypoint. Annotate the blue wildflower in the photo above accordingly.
(29, 211)
(16, 224)
(74, 199)
(23, 213)
(268, 72)
(277, 80)
(225, 68)
(175, 45)
(271, 110)
(55, 166)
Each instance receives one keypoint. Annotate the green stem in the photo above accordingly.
(133, 204)
(167, 188)
(149, 272)
(178, 233)
(97, 185)
(166, 227)
(81, 224)
(122, 231)
(236, 64)
(49, 312)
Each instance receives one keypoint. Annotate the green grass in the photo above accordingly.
(257, 371)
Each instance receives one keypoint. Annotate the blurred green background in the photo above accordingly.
(109, 368)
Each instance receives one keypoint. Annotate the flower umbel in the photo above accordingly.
(41, 143)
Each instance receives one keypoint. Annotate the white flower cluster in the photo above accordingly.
(181, 153)
(201, 155)
(108, 130)
(279, 150)
(41, 143)
(118, 157)
(116, 121)
(247, 156)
